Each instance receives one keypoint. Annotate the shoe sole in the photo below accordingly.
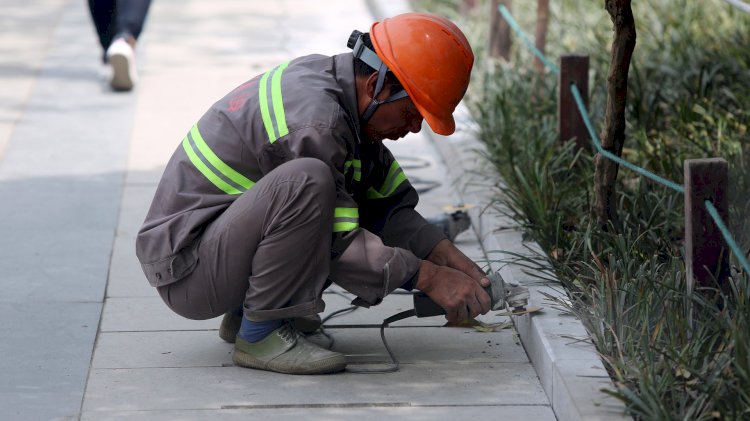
(121, 77)
(332, 364)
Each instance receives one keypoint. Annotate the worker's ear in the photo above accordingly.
(372, 81)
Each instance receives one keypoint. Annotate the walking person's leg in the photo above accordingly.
(103, 14)
(130, 16)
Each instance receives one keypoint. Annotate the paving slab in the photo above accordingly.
(410, 345)
(45, 357)
(61, 177)
(478, 384)
(147, 314)
(25, 35)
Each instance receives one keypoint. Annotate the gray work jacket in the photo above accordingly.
(303, 108)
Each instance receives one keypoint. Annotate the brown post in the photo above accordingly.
(540, 35)
(574, 68)
(706, 254)
(500, 40)
(467, 6)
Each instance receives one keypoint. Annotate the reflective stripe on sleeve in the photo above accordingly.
(394, 179)
(357, 165)
(272, 112)
(211, 166)
(345, 219)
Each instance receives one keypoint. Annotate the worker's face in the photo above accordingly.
(393, 120)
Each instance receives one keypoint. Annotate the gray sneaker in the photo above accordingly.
(285, 350)
(230, 325)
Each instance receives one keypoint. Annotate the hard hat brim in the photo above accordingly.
(444, 126)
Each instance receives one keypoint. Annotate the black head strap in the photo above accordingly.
(375, 103)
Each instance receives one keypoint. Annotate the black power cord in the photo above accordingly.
(394, 365)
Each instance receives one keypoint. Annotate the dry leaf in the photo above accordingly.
(495, 327)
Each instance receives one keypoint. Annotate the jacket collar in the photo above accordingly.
(344, 66)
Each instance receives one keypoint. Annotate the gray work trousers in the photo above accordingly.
(269, 251)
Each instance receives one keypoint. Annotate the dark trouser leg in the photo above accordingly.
(269, 251)
(103, 14)
(131, 15)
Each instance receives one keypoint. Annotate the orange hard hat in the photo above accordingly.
(431, 58)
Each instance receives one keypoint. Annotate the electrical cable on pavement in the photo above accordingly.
(420, 184)
(394, 364)
(427, 185)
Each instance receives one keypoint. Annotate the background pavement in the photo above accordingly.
(85, 336)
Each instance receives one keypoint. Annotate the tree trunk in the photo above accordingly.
(467, 6)
(540, 36)
(500, 41)
(613, 134)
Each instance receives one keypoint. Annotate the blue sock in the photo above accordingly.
(256, 331)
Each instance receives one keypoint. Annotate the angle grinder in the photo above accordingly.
(503, 295)
(501, 292)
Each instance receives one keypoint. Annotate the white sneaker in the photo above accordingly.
(121, 57)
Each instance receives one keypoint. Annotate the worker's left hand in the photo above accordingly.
(447, 254)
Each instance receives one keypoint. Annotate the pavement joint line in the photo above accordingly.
(355, 326)
(356, 363)
(370, 405)
(325, 406)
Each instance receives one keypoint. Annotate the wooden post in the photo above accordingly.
(540, 35)
(500, 41)
(466, 6)
(707, 256)
(574, 68)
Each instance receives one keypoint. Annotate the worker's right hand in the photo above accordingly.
(461, 296)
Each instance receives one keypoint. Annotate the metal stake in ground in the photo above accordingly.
(707, 255)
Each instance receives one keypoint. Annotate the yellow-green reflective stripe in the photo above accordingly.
(394, 179)
(211, 157)
(397, 182)
(346, 213)
(203, 168)
(345, 219)
(357, 165)
(373, 194)
(357, 169)
(391, 171)
(345, 226)
(263, 99)
(278, 103)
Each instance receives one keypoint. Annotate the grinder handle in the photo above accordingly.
(425, 307)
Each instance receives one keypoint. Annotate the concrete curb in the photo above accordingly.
(568, 366)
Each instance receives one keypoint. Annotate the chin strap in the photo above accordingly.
(375, 103)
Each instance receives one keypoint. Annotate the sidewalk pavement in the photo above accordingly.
(85, 336)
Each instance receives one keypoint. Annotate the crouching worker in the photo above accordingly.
(285, 186)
